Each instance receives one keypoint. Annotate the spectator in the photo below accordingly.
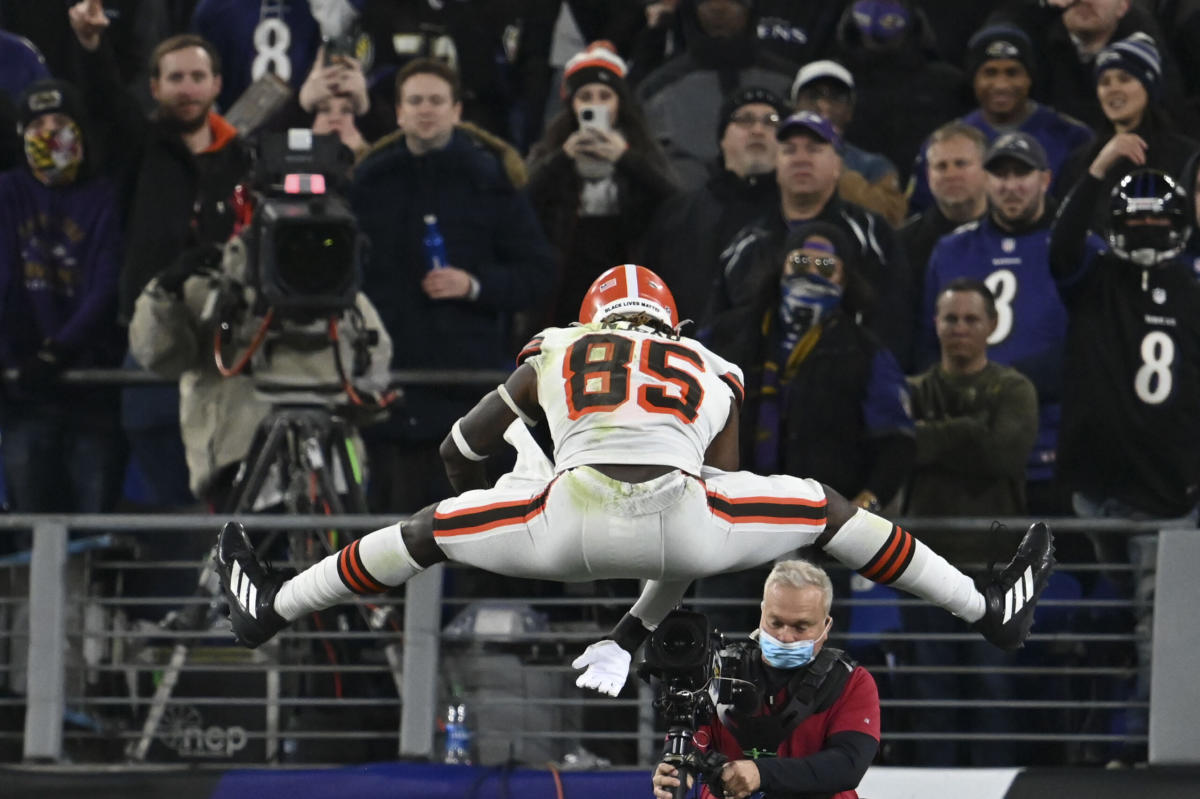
(976, 419)
(1000, 62)
(692, 229)
(1130, 441)
(335, 93)
(552, 32)
(277, 38)
(808, 166)
(682, 98)
(59, 246)
(1128, 83)
(868, 179)
(823, 396)
(976, 423)
(482, 40)
(1067, 36)
(499, 264)
(179, 168)
(1008, 251)
(887, 45)
(595, 183)
(833, 740)
(954, 172)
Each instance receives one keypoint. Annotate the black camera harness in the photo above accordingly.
(812, 689)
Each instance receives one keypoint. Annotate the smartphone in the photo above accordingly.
(337, 47)
(594, 116)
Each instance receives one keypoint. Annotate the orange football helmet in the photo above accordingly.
(629, 290)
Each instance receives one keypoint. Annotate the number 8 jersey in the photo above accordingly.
(620, 394)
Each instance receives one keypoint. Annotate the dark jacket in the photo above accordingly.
(752, 262)
(686, 239)
(172, 199)
(490, 231)
(585, 246)
(918, 236)
(1132, 372)
(58, 271)
(842, 415)
(1166, 148)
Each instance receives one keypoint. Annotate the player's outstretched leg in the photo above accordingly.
(262, 601)
(1011, 595)
(250, 587)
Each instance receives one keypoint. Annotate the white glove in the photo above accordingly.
(607, 667)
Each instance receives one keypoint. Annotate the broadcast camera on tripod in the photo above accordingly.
(694, 670)
(298, 355)
(287, 296)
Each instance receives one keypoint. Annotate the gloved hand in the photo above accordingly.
(206, 257)
(607, 667)
(40, 369)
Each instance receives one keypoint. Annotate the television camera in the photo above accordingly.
(287, 293)
(695, 670)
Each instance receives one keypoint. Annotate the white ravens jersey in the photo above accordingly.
(628, 396)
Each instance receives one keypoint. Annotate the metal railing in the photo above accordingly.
(88, 674)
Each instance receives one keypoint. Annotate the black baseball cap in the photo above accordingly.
(1018, 146)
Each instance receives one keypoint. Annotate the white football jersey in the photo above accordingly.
(617, 395)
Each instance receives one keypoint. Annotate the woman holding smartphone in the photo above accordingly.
(596, 177)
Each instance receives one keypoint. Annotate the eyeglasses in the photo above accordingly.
(747, 120)
(825, 265)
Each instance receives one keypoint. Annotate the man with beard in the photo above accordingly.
(178, 170)
(1008, 250)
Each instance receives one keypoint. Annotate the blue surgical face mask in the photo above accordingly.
(791, 655)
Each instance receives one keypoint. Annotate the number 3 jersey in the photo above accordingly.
(624, 395)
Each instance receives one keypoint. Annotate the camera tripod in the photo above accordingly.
(303, 461)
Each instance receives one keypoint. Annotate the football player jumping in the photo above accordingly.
(644, 485)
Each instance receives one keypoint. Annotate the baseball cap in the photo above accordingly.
(813, 123)
(1019, 146)
(819, 70)
(50, 96)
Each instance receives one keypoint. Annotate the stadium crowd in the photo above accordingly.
(858, 201)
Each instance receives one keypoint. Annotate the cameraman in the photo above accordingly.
(812, 725)
(172, 334)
